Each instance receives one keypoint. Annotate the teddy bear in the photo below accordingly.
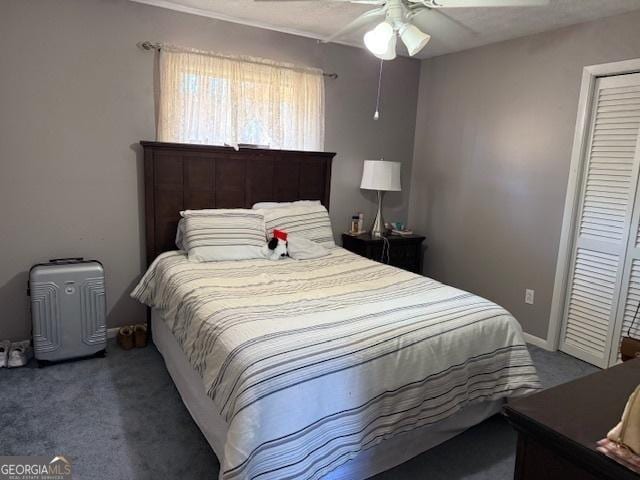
(276, 248)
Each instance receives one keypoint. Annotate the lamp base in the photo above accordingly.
(378, 228)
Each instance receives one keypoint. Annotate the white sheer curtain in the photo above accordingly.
(216, 100)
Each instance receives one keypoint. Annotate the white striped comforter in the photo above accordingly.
(310, 362)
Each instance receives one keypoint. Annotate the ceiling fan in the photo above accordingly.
(406, 19)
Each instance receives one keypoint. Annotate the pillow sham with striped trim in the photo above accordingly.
(308, 221)
(223, 234)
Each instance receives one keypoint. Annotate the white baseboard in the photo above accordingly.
(537, 341)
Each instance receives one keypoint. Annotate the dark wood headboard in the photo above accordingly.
(181, 176)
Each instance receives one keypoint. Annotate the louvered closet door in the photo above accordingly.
(630, 291)
(604, 221)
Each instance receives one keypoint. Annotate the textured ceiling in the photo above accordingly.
(321, 18)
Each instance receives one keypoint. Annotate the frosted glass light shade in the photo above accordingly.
(413, 38)
(390, 53)
(381, 175)
(377, 40)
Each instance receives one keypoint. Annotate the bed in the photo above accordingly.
(334, 368)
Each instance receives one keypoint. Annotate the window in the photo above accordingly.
(217, 100)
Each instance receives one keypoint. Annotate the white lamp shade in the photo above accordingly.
(381, 175)
(377, 40)
(413, 38)
(390, 52)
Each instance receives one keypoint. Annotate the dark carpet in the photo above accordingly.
(121, 418)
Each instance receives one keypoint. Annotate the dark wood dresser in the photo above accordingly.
(558, 428)
(404, 252)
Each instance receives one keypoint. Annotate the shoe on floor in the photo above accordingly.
(125, 338)
(5, 345)
(20, 354)
(140, 335)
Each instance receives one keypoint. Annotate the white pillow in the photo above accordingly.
(259, 205)
(308, 221)
(301, 248)
(208, 211)
(223, 234)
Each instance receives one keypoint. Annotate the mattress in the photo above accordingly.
(371, 461)
(311, 364)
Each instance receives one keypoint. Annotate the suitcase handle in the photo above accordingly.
(66, 260)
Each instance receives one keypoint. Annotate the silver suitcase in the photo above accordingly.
(68, 309)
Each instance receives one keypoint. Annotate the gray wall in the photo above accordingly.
(76, 96)
(494, 132)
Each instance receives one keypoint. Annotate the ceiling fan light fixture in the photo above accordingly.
(413, 38)
(377, 40)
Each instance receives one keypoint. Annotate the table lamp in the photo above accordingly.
(383, 177)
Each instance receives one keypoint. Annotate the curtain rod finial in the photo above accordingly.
(147, 45)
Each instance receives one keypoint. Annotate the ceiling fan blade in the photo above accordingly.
(482, 3)
(364, 2)
(359, 22)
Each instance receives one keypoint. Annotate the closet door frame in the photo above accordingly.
(590, 74)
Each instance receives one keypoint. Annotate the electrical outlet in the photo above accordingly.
(528, 296)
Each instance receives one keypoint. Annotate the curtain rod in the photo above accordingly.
(148, 45)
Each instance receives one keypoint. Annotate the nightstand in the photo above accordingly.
(405, 251)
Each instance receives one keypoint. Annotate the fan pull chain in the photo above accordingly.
(376, 115)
